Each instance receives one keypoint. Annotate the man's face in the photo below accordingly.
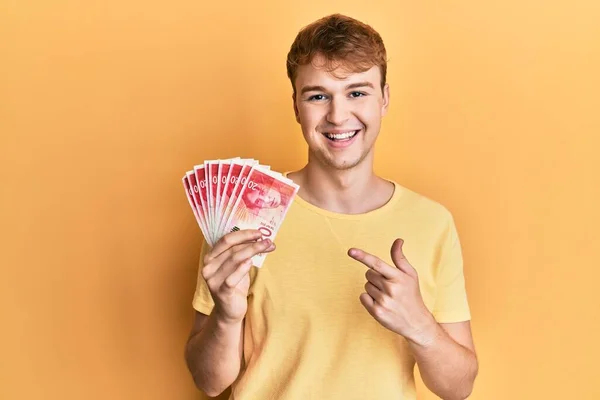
(262, 197)
(340, 112)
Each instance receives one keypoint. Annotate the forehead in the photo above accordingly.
(319, 73)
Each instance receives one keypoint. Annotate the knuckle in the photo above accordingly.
(226, 240)
(204, 273)
(384, 302)
(387, 302)
(228, 283)
(378, 311)
(395, 274)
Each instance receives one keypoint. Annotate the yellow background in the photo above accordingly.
(104, 105)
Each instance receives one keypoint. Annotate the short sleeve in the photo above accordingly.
(203, 301)
(451, 304)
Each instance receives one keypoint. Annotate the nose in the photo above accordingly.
(338, 112)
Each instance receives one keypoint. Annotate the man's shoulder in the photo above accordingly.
(420, 205)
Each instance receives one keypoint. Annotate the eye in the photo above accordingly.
(316, 97)
(357, 94)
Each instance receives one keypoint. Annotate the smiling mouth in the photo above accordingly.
(340, 137)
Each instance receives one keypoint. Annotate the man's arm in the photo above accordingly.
(444, 353)
(213, 353)
(447, 359)
(214, 349)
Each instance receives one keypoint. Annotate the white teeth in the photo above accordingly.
(340, 136)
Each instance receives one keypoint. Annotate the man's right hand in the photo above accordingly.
(226, 268)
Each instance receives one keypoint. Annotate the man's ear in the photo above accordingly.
(386, 99)
(295, 107)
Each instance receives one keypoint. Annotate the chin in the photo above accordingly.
(342, 163)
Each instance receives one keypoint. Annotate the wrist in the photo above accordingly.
(223, 322)
(427, 333)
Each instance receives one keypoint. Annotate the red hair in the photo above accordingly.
(343, 42)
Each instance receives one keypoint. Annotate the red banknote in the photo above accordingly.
(238, 194)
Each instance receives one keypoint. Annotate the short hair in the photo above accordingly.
(343, 42)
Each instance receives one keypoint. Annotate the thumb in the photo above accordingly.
(399, 258)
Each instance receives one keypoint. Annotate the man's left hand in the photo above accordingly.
(393, 296)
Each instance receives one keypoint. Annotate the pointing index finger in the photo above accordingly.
(373, 262)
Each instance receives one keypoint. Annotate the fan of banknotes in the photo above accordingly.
(235, 194)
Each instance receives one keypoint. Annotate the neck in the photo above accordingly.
(353, 191)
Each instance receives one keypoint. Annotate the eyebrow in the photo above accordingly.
(348, 87)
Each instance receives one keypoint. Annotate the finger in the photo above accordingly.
(217, 264)
(227, 268)
(375, 278)
(368, 302)
(373, 262)
(400, 260)
(233, 239)
(374, 292)
(240, 273)
(213, 266)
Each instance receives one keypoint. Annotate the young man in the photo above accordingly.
(367, 278)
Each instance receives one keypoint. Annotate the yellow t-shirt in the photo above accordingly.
(307, 336)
